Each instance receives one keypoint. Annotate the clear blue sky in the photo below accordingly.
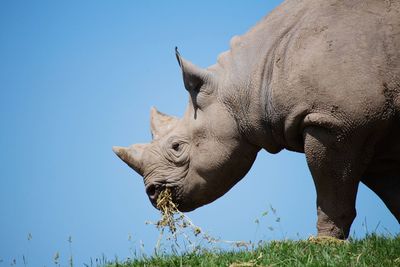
(76, 78)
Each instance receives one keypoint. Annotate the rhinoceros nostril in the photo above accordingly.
(151, 191)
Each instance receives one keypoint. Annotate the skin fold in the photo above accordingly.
(319, 77)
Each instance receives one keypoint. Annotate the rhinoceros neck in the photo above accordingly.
(246, 69)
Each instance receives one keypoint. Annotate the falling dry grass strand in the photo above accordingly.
(168, 209)
(180, 226)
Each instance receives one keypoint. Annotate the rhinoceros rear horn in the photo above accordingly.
(161, 123)
(132, 156)
(193, 76)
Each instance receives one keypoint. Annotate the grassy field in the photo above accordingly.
(371, 251)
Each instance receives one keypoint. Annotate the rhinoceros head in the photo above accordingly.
(199, 157)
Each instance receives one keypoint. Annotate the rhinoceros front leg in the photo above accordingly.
(336, 167)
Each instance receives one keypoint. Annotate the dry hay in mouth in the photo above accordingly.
(171, 217)
(168, 209)
(180, 225)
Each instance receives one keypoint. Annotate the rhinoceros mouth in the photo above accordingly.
(155, 183)
(154, 190)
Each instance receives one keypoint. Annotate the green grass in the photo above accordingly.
(373, 250)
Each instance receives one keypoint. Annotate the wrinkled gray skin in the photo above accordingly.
(320, 77)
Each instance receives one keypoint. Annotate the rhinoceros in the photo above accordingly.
(319, 77)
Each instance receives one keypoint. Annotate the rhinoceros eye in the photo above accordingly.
(176, 146)
(177, 151)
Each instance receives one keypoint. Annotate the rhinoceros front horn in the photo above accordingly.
(132, 156)
(161, 123)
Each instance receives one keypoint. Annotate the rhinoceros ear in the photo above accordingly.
(161, 123)
(193, 77)
(132, 156)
